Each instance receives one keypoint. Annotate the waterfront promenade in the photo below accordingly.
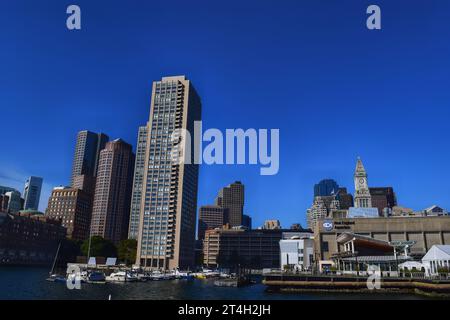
(286, 282)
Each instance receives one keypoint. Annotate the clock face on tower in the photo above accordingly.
(361, 181)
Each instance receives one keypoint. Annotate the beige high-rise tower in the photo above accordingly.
(166, 238)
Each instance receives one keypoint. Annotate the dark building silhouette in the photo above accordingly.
(247, 221)
(325, 187)
(257, 249)
(382, 198)
(345, 199)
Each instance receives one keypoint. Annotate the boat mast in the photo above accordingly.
(89, 250)
(56, 257)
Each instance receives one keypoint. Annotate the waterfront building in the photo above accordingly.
(272, 224)
(423, 231)
(87, 153)
(383, 198)
(325, 187)
(111, 206)
(32, 192)
(211, 217)
(138, 182)
(363, 198)
(169, 193)
(15, 202)
(296, 254)
(231, 197)
(256, 249)
(29, 239)
(359, 253)
(73, 207)
(437, 260)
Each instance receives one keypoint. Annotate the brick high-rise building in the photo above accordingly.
(111, 207)
(232, 198)
(169, 192)
(73, 208)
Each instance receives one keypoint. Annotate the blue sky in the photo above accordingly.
(310, 68)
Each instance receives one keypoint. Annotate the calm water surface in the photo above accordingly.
(29, 283)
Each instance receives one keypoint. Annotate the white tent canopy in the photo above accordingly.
(436, 258)
(410, 265)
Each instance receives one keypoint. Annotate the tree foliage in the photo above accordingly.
(99, 247)
(126, 251)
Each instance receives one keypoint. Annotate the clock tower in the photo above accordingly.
(362, 194)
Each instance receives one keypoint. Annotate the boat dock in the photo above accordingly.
(347, 283)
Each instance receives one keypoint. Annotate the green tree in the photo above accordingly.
(126, 251)
(99, 247)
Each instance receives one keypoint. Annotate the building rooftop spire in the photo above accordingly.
(359, 166)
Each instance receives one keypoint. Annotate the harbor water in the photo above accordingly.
(30, 284)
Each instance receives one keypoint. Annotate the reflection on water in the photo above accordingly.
(30, 283)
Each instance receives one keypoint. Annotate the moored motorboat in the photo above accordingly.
(119, 276)
(96, 277)
(56, 278)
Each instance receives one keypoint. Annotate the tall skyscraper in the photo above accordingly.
(169, 193)
(111, 207)
(73, 207)
(87, 151)
(32, 193)
(232, 198)
(138, 182)
(362, 193)
(325, 187)
(211, 217)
